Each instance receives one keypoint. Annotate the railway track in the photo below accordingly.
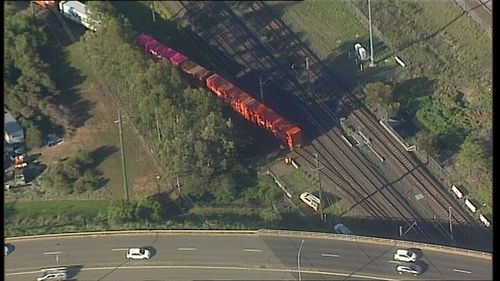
(404, 161)
(372, 196)
(346, 188)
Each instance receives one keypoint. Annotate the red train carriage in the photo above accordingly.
(159, 50)
(195, 70)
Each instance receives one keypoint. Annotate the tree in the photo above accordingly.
(120, 211)
(148, 210)
(268, 215)
(33, 137)
(428, 142)
(472, 156)
(381, 94)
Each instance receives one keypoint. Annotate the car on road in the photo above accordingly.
(409, 268)
(8, 249)
(341, 229)
(138, 254)
(405, 255)
(52, 274)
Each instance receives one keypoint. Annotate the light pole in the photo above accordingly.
(372, 63)
(298, 259)
(401, 229)
(124, 170)
(261, 83)
(451, 227)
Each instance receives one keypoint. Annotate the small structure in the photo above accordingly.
(13, 132)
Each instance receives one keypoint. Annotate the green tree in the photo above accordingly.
(269, 216)
(471, 156)
(429, 142)
(33, 137)
(382, 94)
(120, 211)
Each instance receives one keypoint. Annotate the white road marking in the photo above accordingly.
(52, 253)
(330, 255)
(253, 250)
(119, 249)
(186, 249)
(391, 261)
(462, 271)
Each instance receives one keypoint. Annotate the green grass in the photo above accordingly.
(44, 217)
(32, 209)
(327, 25)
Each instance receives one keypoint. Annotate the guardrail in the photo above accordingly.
(375, 240)
(269, 232)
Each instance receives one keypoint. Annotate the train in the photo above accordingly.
(73, 10)
(287, 133)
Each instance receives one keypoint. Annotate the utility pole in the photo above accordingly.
(372, 63)
(157, 124)
(449, 218)
(261, 93)
(401, 229)
(308, 77)
(152, 5)
(124, 170)
(318, 179)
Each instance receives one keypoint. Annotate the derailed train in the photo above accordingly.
(252, 110)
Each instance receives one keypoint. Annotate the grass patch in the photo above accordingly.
(44, 217)
(326, 25)
(31, 209)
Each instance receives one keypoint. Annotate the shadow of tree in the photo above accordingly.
(101, 153)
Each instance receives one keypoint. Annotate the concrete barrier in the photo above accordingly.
(375, 240)
(135, 232)
(400, 62)
(457, 192)
(471, 206)
(484, 220)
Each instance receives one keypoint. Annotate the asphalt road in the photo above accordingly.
(211, 257)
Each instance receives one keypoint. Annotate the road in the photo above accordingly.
(209, 256)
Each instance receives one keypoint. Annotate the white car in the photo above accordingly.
(409, 268)
(138, 254)
(53, 274)
(405, 256)
(311, 200)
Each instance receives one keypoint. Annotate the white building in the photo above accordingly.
(13, 132)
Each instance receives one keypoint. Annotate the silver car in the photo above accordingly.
(409, 268)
